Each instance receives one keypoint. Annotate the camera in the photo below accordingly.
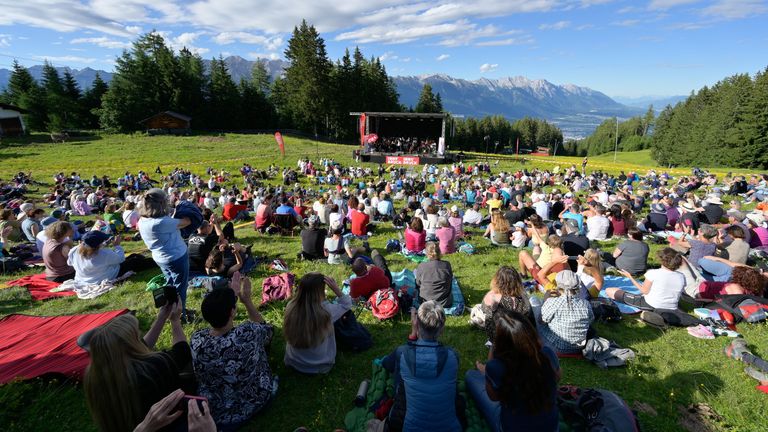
(165, 295)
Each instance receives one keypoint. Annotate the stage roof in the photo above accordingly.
(402, 115)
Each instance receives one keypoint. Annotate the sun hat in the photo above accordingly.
(714, 199)
(26, 207)
(658, 208)
(756, 218)
(566, 280)
(95, 239)
(688, 206)
(519, 224)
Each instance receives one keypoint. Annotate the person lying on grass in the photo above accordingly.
(728, 277)
(310, 342)
(232, 362)
(425, 374)
(516, 390)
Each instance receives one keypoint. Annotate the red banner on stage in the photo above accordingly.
(402, 160)
(280, 143)
(362, 130)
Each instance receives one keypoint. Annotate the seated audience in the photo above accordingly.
(631, 255)
(446, 236)
(415, 237)
(662, 287)
(434, 278)
(507, 294)
(310, 342)
(425, 374)
(498, 230)
(516, 390)
(369, 277)
(565, 317)
(232, 362)
(56, 252)
(313, 240)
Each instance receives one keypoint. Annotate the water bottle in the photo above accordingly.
(362, 391)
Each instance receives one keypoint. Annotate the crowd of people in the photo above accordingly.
(407, 145)
(558, 220)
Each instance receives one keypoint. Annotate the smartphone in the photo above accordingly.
(164, 296)
(183, 405)
(573, 258)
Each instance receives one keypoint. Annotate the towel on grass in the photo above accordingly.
(32, 346)
(626, 285)
(39, 288)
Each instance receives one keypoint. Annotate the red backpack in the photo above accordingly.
(384, 303)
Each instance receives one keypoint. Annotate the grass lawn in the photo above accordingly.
(672, 369)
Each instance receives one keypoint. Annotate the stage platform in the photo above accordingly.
(407, 159)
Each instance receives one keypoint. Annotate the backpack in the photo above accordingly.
(277, 287)
(384, 303)
(467, 249)
(393, 245)
(11, 264)
(605, 310)
(350, 334)
(744, 307)
(595, 410)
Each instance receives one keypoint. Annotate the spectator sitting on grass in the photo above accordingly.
(232, 362)
(425, 374)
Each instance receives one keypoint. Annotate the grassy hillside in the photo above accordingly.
(672, 370)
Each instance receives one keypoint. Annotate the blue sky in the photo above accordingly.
(622, 48)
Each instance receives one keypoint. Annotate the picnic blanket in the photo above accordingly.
(417, 258)
(31, 346)
(39, 288)
(382, 386)
(625, 284)
(87, 291)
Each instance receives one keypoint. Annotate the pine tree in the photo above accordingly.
(24, 92)
(224, 97)
(427, 101)
(307, 77)
(91, 102)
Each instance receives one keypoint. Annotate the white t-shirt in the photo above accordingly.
(597, 227)
(666, 288)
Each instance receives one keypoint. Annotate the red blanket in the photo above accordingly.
(31, 346)
(40, 288)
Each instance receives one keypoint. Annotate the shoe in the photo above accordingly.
(757, 374)
(737, 348)
(723, 331)
(653, 319)
(700, 332)
(189, 317)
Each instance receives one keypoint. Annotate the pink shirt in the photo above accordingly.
(458, 226)
(447, 238)
(415, 242)
(760, 237)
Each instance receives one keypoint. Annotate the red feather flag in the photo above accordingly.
(280, 143)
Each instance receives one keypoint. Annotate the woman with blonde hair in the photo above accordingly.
(308, 324)
(498, 230)
(590, 272)
(126, 377)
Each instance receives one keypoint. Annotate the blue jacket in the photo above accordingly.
(428, 371)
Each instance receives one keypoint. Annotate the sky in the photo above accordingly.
(622, 48)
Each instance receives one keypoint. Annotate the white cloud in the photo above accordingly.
(735, 9)
(668, 4)
(509, 41)
(5, 40)
(389, 55)
(555, 26)
(103, 42)
(256, 56)
(626, 23)
(270, 43)
(442, 57)
(584, 27)
(487, 67)
(66, 59)
(184, 40)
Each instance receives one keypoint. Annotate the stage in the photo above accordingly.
(405, 159)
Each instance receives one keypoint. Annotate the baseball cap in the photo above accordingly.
(520, 224)
(94, 239)
(57, 213)
(48, 221)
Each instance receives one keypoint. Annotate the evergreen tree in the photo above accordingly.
(91, 103)
(307, 77)
(224, 97)
(24, 92)
(428, 102)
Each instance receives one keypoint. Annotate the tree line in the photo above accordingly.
(634, 134)
(722, 125)
(471, 133)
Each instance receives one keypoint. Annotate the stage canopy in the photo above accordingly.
(390, 124)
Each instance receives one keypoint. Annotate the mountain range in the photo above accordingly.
(576, 110)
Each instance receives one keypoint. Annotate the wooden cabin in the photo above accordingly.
(11, 123)
(168, 122)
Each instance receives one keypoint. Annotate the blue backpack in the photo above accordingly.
(393, 245)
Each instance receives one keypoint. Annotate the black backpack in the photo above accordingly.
(605, 310)
(595, 410)
(10, 265)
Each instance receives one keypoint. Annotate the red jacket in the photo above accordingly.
(231, 210)
(364, 286)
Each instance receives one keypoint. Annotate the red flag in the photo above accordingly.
(280, 143)
(517, 148)
(362, 129)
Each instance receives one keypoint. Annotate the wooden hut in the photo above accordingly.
(11, 123)
(167, 122)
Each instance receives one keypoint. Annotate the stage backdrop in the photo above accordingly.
(406, 127)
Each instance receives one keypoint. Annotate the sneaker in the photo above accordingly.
(653, 319)
(700, 332)
(757, 374)
(737, 348)
(723, 331)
